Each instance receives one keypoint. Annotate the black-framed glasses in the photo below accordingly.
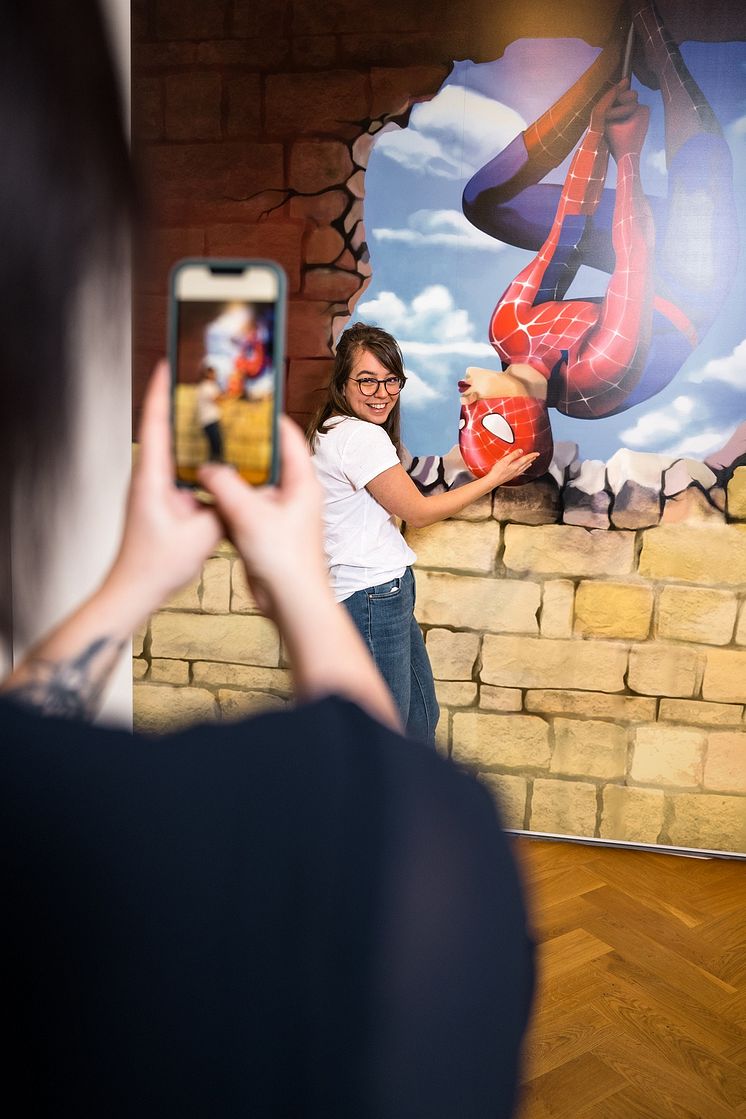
(369, 385)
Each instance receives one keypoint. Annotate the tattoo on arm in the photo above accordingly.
(67, 688)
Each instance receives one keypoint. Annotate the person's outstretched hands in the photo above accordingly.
(276, 529)
(168, 534)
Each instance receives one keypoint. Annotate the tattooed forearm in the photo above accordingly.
(69, 688)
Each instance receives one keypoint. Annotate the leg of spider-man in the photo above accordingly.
(697, 243)
(506, 197)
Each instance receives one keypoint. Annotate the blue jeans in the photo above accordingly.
(384, 615)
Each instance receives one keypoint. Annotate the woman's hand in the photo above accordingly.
(168, 533)
(276, 529)
(510, 466)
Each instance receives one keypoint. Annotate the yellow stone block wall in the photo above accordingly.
(595, 680)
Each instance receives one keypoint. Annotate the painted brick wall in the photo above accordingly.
(596, 678)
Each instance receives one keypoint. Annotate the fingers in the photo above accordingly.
(517, 462)
(233, 497)
(154, 460)
(296, 468)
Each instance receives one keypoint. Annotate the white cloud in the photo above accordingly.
(661, 426)
(679, 429)
(429, 326)
(419, 394)
(657, 160)
(731, 369)
(737, 128)
(443, 228)
(463, 348)
(452, 135)
(702, 444)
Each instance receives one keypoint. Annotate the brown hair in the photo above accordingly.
(383, 346)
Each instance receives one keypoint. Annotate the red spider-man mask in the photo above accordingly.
(489, 429)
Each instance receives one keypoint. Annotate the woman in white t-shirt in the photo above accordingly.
(355, 441)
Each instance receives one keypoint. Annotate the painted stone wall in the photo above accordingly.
(596, 680)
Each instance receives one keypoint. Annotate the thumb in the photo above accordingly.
(234, 499)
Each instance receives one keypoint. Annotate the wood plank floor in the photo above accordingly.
(641, 1004)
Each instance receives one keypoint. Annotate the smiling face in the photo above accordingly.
(375, 409)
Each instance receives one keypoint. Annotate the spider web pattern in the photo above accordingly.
(549, 139)
(663, 57)
(527, 418)
(593, 352)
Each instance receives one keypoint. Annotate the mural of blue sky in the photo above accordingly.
(436, 278)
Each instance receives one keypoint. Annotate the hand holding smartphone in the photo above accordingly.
(226, 348)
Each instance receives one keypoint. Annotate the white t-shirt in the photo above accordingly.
(363, 544)
(207, 409)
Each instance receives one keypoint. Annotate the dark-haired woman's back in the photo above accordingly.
(304, 917)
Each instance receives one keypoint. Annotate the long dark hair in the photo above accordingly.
(67, 195)
(383, 346)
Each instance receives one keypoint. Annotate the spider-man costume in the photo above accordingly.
(604, 356)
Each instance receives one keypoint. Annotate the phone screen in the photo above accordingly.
(226, 348)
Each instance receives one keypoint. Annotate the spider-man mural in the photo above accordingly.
(595, 357)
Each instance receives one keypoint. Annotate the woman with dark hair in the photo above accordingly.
(298, 914)
(355, 442)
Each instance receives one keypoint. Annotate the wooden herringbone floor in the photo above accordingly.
(641, 1007)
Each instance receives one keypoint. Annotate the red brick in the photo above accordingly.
(410, 49)
(353, 215)
(190, 19)
(139, 19)
(323, 246)
(357, 240)
(335, 16)
(234, 170)
(315, 50)
(254, 19)
(394, 90)
(147, 108)
(161, 56)
(348, 262)
(253, 54)
(319, 164)
(161, 250)
(199, 211)
(280, 242)
(330, 101)
(322, 208)
(307, 385)
(193, 106)
(244, 105)
(150, 313)
(331, 284)
(309, 329)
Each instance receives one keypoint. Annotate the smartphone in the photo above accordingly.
(227, 354)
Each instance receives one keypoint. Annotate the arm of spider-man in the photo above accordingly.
(606, 363)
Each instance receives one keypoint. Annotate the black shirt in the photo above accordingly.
(301, 914)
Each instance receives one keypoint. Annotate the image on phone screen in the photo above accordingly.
(227, 357)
